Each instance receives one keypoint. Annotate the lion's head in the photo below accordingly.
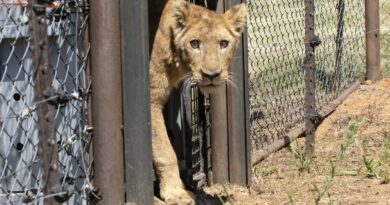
(205, 41)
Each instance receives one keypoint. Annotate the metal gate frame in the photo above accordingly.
(136, 111)
(114, 35)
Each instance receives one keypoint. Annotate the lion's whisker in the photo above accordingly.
(231, 82)
(233, 74)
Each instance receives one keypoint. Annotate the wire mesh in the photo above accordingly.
(196, 139)
(340, 58)
(191, 123)
(276, 33)
(385, 36)
(197, 142)
(20, 180)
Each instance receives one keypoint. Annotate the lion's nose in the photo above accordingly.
(211, 75)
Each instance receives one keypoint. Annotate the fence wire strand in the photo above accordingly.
(20, 179)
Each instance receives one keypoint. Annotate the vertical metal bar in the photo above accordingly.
(238, 114)
(107, 100)
(42, 78)
(246, 110)
(136, 103)
(218, 130)
(310, 67)
(237, 124)
(219, 138)
(339, 42)
(373, 40)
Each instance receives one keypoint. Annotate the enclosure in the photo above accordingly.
(74, 93)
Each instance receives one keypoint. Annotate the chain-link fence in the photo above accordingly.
(276, 45)
(276, 52)
(20, 174)
(385, 36)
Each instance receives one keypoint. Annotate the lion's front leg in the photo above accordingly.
(172, 190)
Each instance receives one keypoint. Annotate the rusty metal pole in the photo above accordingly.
(339, 43)
(219, 130)
(372, 40)
(42, 78)
(107, 100)
(311, 41)
(219, 138)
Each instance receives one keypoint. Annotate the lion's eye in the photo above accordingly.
(195, 44)
(223, 43)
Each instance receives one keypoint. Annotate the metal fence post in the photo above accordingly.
(136, 103)
(238, 113)
(311, 41)
(107, 100)
(339, 42)
(219, 137)
(373, 40)
(43, 79)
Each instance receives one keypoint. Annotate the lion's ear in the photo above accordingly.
(180, 13)
(236, 18)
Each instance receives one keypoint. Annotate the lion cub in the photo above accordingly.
(195, 43)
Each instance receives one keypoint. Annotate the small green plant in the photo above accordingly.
(385, 146)
(227, 199)
(299, 154)
(321, 191)
(290, 197)
(384, 173)
(371, 167)
(348, 139)
(262, 171)
(384, 162)
(333, 169)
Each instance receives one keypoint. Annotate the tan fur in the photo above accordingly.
(175, 56)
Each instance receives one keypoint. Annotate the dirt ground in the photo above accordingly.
(352, 163)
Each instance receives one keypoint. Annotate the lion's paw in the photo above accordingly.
(179, 197)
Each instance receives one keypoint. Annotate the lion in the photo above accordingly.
(193, 43)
